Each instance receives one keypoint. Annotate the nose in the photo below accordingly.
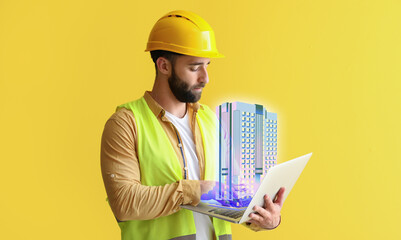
(203, 76)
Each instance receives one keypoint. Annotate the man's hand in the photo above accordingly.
(269, 216)
(210, 189)
(206, 186)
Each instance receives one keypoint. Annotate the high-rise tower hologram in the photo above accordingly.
(247, 149)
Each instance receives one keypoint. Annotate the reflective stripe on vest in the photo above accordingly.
(193, 237)
(159, 165)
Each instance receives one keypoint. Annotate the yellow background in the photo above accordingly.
(330, 69)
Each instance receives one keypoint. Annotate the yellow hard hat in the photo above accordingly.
(183, 32)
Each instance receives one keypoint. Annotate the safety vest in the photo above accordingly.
(159, 165)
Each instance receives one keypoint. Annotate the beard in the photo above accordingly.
(182, 91)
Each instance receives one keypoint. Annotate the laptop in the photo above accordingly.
(281, 175)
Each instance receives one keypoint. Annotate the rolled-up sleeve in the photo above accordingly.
(128, 198)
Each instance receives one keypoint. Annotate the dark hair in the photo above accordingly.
(171, 56)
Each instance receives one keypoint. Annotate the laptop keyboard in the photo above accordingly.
(228, 212)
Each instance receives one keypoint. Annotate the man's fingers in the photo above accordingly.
(261, 211)
(268, 215)
(255, 217)
(269, 205)
(279, 197)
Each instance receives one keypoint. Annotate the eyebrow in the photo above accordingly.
(198, 63)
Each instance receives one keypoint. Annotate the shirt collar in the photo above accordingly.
(159, 111)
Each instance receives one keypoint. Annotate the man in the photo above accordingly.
(158, 151)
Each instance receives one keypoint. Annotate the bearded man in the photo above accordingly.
(158, 151)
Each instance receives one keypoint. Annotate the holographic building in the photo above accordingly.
(247, 148)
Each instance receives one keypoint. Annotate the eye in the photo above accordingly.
(194, 69)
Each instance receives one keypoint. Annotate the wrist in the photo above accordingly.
(190, 191)
(279, 222)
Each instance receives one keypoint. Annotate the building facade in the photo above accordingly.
(247, 148)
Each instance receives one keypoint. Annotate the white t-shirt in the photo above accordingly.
(203, 223)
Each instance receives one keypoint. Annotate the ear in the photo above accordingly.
(163, 66)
